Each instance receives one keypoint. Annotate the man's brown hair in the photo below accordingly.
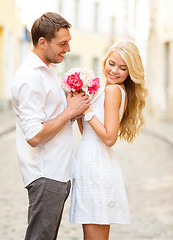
(46, 26)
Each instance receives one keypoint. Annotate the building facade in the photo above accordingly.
(94, 28)
(11, 41)
(149, 24)
(96, 25)
(160, 59)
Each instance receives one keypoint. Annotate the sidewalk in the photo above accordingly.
(160, 128)
(7, 121)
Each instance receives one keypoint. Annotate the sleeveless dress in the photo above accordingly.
(98, 195)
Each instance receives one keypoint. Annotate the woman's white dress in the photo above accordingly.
(98, 194)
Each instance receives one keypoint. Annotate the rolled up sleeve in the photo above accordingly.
(29, 97)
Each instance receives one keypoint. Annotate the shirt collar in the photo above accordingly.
(36, 62)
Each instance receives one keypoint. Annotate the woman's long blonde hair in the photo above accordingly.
(135, 87)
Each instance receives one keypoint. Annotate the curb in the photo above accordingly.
(8, 130)
(7, 121)
(160, 136)
(162, 129)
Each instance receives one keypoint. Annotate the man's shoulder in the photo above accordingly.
(25, 72)
(24, 68)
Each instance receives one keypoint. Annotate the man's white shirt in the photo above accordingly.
(38, 97)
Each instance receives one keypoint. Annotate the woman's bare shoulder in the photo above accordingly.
(112, 89)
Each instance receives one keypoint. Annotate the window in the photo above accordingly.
(71, 61)
(112, 26)
(76, 13)
(1, 60)
(166, 71)
(60, 7)
(96, 66)
(96, 16)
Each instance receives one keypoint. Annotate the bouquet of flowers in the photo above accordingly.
(80, 79)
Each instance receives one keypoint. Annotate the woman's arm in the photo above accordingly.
(109, 131)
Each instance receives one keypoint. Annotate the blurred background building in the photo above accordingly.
(96, 24)
(13, 39)
(160, 58)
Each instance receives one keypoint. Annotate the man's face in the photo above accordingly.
(55, 50)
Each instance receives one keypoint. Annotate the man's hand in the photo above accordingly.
(77, 103)
(77, 117)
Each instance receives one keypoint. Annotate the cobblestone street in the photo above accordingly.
(147, 167)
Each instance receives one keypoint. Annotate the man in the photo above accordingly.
(44, 138)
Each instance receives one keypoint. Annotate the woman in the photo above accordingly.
(98, 197)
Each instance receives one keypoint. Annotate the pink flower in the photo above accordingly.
(80, 79)
(74, 81)
(94, 87)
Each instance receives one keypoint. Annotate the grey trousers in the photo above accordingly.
(46, 203)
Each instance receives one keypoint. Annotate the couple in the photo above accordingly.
(44, 138)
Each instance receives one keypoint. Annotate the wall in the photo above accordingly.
(159, 59)
(10, 42)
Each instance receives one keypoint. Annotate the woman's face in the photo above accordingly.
(115, 70)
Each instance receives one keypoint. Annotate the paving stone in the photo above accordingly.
(147, 167)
